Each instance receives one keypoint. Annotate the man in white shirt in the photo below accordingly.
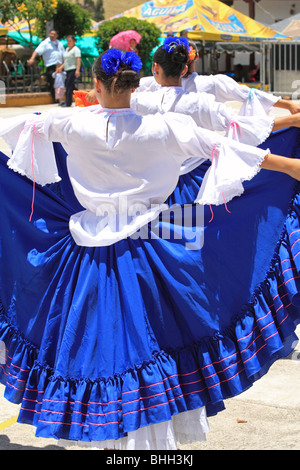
(52, 52)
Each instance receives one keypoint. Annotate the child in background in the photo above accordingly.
(59, 84)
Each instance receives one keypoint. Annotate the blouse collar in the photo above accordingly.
(117, 110)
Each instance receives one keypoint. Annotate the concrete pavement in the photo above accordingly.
(266, 417)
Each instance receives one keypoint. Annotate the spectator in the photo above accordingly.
(51, 50)
(133, 46)
(241, 74)
(59, 84)
(71, 65)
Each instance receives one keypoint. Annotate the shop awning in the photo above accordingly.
(3, 31)
(209, 20)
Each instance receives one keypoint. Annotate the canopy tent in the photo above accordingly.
(24, 38)
(210, 20)
(87, 45)
(3, 30)
(20, 25)
(289, 26)
(19, 33)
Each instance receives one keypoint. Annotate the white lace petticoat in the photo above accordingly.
(184, 428)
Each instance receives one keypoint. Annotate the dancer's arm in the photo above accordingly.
(282, 122)
(291, 106)
(289, 166)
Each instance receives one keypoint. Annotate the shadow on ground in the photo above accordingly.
(6, 444)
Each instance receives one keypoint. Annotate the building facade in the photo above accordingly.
(266, 11)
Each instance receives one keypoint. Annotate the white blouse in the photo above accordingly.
(206, 112)
(123, 166)
(224, 89)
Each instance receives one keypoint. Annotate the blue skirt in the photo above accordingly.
(101, 341)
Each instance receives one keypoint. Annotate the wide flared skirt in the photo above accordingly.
(100, 342)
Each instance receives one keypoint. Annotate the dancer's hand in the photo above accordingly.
(91, 97)
(294, 170)
(294, 108)
(289, 166)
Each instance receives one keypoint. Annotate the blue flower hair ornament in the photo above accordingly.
(171, 43)
(114, 59)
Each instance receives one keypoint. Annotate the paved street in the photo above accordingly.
(266, 417)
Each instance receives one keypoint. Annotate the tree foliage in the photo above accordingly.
(68, 18)
(28, 10)
(99, 11)
(95, 7)
(149, 32)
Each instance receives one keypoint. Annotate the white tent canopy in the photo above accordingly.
(289, 26)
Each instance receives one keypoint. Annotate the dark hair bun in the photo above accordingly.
(180, 55)
(124, 79)
(173, 62)
(127, 78)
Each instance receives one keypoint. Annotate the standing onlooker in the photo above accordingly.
(59, 84)
(71, 65)
(52, 52)
(133, 46)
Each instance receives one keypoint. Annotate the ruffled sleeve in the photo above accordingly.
(31, 139)
(231, 162)
(32, 155)
(250, 130)
(257, 102)
(254, 102)
(209, 114)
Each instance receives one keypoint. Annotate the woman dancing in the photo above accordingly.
(117, 329)
(224, 89)
(170, 65)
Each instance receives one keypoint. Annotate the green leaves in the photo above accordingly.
(150, 36)
(28, 10)
(68, 18)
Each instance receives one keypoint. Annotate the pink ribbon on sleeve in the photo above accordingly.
(215, 152)
(34, 132)
(236, 129)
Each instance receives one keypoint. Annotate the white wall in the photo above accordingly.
(266, 12)
(269, 11)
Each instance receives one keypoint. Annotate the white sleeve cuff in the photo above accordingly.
(32, 155)
(231, 165)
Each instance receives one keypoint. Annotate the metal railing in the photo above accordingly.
(18, 78)
(280, 67)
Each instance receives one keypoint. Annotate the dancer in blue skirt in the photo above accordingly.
(121, 326)
(170, 63)
(224, 89)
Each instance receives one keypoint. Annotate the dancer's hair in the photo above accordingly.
(193, 55)
(118, 71)
(172, 56)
